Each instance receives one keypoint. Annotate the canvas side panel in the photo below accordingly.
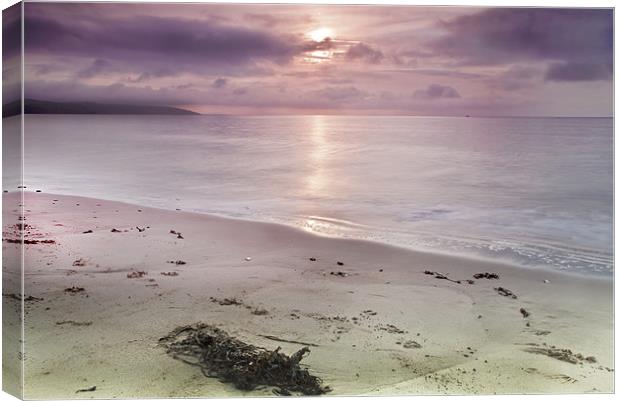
(12, 297)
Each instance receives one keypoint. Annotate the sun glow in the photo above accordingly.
(320, 34)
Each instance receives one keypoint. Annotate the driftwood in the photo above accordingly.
(441, 276)
(85, 390)
(245, 366)
(274, 338)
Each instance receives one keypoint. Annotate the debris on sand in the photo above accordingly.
(524, 312)
(339, 263)
(177, 262)
(140, 230)
(247, 258)
(137, 274)
(390, 328)
(339, 274)
(85, 390)
(114, 230)
(260, 312)
(29, 241)
(87, 232)
(226, 301)
(546, 281)
(79, 262)
(564, 354)
(169, 274)
(505, 292)
(441, 276)
(74, 290)
(244, 365)
(488, 276)
(312, 259)
(274, 338)
(411, 344)
(179, 236)
(73, 323)
(17, 297)
(172, 232)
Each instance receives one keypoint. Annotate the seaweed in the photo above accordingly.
(74, 290)
(561, 354)
(246, 366)
(505, 292)
(137, 274)
(487, 275)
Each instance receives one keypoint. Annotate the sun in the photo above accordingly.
(320, 34)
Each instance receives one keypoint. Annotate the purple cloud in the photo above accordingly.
(361, 51)
(436, 91)
(506, 35)
(577, 72)
(338, 93)
(155, 37)
(219, 83)
(98, 66)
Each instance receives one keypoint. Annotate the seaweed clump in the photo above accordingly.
(244, 365)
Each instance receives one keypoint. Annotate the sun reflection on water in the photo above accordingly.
(317, 179)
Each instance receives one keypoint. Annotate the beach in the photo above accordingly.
(102, 279)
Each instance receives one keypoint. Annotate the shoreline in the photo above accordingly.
(381, 325)
(430, 252)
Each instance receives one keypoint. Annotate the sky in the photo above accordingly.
(304, 59)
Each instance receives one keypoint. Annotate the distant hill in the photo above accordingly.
(33, 106)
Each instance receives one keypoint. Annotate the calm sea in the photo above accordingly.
(534, 191)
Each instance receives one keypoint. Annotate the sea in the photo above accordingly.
(535, 192)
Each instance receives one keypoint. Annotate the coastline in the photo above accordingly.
(472, 340)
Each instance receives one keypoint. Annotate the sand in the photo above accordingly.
(365, 322)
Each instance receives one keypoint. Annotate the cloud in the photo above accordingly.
(338, 93)
(515, 78)
(506, 35)
(99, 65)
(148, 75)
(11, 31)
(577, 72)
(271, 20)
(436, 91)
(219, 83)
(361, 51)
(149, 40)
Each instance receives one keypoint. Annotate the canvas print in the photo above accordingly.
(227, 200)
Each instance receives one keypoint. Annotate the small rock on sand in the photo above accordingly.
(137, 274)
(247, 258)
(74, 290)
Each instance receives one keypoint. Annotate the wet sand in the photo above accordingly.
(380, 324)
